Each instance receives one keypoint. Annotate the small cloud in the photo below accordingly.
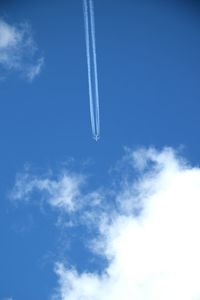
(36, 69)
(18, 51)
(62, 193)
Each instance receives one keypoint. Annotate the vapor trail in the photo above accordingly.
(92, 67)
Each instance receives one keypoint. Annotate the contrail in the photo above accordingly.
(92, 67)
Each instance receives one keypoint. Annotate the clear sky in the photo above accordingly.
(148, 55)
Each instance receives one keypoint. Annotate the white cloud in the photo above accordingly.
(18, 51)
(152, 255)
(62, 192)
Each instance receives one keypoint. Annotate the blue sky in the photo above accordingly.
(148, 68)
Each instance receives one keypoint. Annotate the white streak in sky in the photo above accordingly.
(92, 67)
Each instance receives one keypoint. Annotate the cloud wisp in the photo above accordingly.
(18, 51)
(149, 238)
(61, 193)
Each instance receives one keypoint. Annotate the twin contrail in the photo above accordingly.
(88, 9)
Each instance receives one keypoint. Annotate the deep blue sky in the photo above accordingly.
(148, 62)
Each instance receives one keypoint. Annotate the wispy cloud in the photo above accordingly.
(62, 192)
(18, 51)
